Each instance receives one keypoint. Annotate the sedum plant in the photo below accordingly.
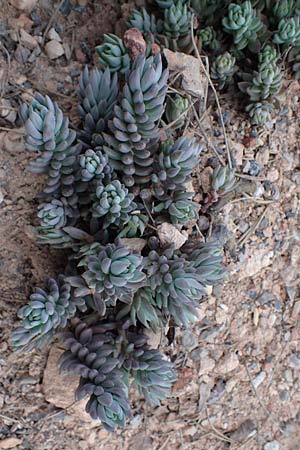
(110, 185)
(243, 24)
(113, 54)
(223, 69)
(288, 33)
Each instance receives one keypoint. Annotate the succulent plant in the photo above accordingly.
(154, 376)
(243, 23)
(175, 285)
(209, 38)
(93, 356)
(93, 165)
(53, 214)
(283, 8)
(206, 9)
(223, 69)
(143, 21)
(207, 259)
(265, 83)
(223, 179)
(113, 273)
(176, 33)
(135, 120)
(98, 94)
(267, 56)
(177, 20)
(143, 309)
(165, 4)
(288, 32)
(174, 164)
(134, 225)
(48, 132)
(260, 112)
(176, 110)
(46, 311)
(113, 54)
(114, 203)
(294, 58)
(180, 207)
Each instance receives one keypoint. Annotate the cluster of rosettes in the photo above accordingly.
(105, 355)
(110, 185)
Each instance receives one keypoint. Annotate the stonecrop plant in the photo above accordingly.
(110, 185)
(234, 35)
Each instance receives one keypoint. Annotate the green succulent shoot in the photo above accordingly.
(267, 56)
(283, 8)
(209, 38)
(176, 27)
(113, 54)
(113, 202)
(180, 207)
(223, 179)
(53, 214)
(143, 21)
(260, 113)
(288, 33)
(176, 110)
(223, 69)
(47, 310)
(93, 164)
(113, 273)
(265, 83)
(243, 23)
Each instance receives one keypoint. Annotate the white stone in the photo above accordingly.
(274, 445)
(54, 49)
(259, 379)
(53, 35)
(135, 244)
(228, 363)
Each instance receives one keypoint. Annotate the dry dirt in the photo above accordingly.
(238, 368)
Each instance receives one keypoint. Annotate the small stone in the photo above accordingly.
(53, 35)
(27, 40)
(228, 363)
(135, 244)
(134, 42)
(6, 111)
(169, 234)
(203, 223)
(237, 150)
(23, 5)
(10, 442)
(273, 445)
(194, 80)
(259, 379)
(273, 175)
(82, 2)
(54, 49)
(59, 388)
(206, 179)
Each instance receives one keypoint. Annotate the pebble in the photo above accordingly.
(54, 49)
(53, 35)
(228, 363)
(259, 379)
(6, 111)
(10, 442)
(273, 175)
(274, 445)
(203, 223)
(27, 40)
(288, 375)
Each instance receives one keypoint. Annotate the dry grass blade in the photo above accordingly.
(215, 93)
(242, 240)
(255, 392)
